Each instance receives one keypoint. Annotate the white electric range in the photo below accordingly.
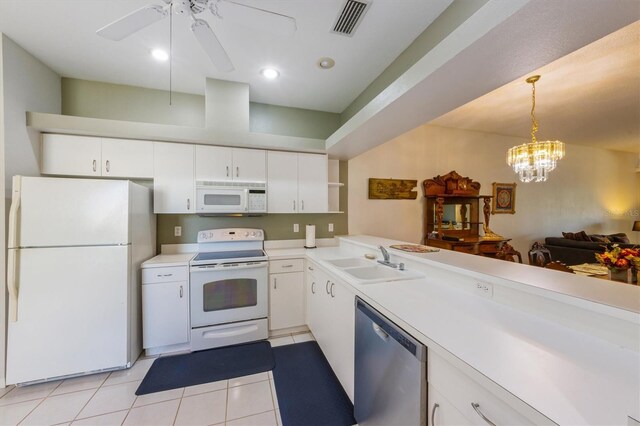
(229, 293)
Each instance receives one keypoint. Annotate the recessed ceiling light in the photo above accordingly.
(270, 73)
(326, 63)
(159, 54)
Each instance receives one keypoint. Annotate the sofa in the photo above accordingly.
(577, 248)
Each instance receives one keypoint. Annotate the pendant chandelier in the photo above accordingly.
(534, 160)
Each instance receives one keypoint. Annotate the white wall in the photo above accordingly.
(26, 85)
(592, 189)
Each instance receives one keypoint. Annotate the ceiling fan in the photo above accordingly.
(236, 12)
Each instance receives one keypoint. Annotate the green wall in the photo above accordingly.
(279, 120)
(94, 99)
(458, 12)
(276, 226)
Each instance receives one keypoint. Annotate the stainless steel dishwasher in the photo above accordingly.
(390, 372)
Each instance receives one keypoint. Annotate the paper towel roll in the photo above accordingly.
(310, 234)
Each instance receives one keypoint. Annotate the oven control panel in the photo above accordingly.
(230, 234)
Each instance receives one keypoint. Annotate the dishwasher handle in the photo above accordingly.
(385, 327)
(380, 332)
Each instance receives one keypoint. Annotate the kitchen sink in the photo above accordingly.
(378, 273)
(350, 262)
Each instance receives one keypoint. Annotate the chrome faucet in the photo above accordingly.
(386, 261)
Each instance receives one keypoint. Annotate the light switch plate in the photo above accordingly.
(177, 231)
(331, 227)
(296, 227)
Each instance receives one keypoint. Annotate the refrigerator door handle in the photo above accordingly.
(12, 284)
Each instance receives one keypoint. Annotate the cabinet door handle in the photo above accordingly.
(181, 292)
(237, 171)
(294, 205)
(331, 290)
(433, 414)
(108, 166)
(302, 202)
(188, 204)
(275, 283)
(94, 165)
(227, 171)
(326, 286)
(311, 269)
(313, 290)
(481, 414)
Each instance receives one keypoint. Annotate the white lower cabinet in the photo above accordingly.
(165, 306)
(441, 412)
(474, 402)
(331, 319)
(286, 294)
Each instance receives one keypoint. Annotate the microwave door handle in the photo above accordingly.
(246, 200)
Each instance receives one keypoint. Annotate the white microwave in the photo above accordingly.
(230, 197)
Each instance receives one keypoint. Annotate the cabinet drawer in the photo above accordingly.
(165, 275)
(462, 391)
(464, 249)
(489, 247)
(288, 265)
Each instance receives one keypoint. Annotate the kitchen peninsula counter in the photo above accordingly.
(567, 346)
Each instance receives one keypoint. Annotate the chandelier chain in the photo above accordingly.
(534, 122)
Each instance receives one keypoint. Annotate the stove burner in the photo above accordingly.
(226, 255)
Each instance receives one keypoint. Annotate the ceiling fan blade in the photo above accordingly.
(258, 18)
(211, 45)
(132, 22)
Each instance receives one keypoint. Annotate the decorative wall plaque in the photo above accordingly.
(504, 198)
(392, 189)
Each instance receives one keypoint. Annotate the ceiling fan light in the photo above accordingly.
(159, 55)
(270, 73)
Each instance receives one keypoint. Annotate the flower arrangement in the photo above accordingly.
(620, 258)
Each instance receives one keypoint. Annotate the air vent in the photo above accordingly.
(350, 17)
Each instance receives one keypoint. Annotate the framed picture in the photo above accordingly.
(504, 198)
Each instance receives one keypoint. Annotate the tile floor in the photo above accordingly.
(109, 399)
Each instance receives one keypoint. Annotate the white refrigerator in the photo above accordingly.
(75, 248)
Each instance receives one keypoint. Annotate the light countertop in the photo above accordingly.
(165, 260)
(569, 376)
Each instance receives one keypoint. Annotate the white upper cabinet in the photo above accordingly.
(88, 156)
(296, 183)
(127, 158)
(312, 183)
(71, 155)
(173, 178)
(282, 182)
(250, 165)
(214, 163)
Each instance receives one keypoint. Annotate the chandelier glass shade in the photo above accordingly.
(534, 160)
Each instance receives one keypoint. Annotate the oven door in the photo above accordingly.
(222, 200)
(228, 293)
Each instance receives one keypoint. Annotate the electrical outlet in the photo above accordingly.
(331, 227)
(177, 231)
(485, 289)
(296, 227)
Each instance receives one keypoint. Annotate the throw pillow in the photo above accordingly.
(578, 236)
(619, 238)
(597, 238)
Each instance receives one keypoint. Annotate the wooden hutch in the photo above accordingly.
(452, 216)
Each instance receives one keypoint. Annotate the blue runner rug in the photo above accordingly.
(195, 368)
(309, 393)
